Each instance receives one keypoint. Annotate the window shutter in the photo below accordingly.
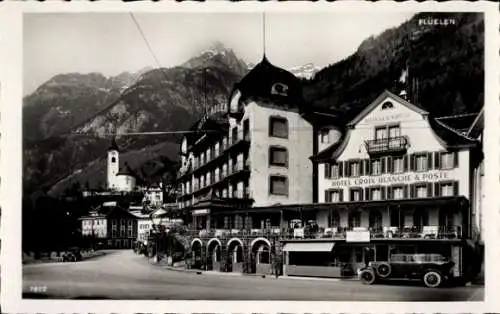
(327, 171)
(382, 193)
(390, 164)
(341, 169)
(437, 189)
(367, 194)
(405, 191)
(429, 161)
(455, 188)
(367, 166)
(341, 195)
(389, 192)
(327, 196)
(346, 169)
(382, 164)
(405, 163)
(455, 159)
(437, 160)
(348, 163)
(429, 189)
(361, 168)
(412, 191)
(412, 162)
(361, 194)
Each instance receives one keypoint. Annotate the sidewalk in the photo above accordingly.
(218, 273)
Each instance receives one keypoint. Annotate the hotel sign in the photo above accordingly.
(394, 179)
(357, 236)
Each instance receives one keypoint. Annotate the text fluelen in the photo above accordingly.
(393, 179)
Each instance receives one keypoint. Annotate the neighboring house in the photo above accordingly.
(113, 224)
(144, 226)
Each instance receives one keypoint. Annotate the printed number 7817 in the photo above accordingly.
(38, 289)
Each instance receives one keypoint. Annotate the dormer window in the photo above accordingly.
(324, 136)
(387, 105)
(279, 89)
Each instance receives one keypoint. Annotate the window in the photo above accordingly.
(376, 194)
(246, 129)
(421, 162)
(113, 159)
(380, 133)
(394, 131)
(354, 169)
(324, 136)
(234, 135)
(447, 160)
(354, 219)
(355, 195)
(278, 185)
(397, 192)
(333, 196)
(421, 191)
(398, 163)
(333, 219)
(375, 219)
(376, 166)
(387, 105)
(278, 127)
(447, 189)
(278, 156)
(334, 171)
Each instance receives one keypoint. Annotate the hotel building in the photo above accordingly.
(271, 181)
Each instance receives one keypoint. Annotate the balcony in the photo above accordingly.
(383, 233)
(387, 145)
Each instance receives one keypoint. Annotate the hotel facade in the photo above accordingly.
(274, 185)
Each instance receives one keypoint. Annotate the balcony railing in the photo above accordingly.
(386, 145)
(340, 233)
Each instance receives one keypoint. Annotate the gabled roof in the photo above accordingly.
(379, 99)
(477, 126)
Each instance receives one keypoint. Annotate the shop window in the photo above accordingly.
(359, 254)
(278, 156)
(278, 185)
(354, 219)
(333, 219)
(375, 219)
(324, 134)
(420, 218)
(278, 127)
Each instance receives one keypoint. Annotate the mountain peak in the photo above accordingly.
(216, 48)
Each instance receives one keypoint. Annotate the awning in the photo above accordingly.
(308, 247)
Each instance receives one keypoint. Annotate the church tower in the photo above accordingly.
(113, 164)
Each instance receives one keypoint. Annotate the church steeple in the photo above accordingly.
(113, 145)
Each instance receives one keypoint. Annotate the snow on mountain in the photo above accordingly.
(305, 71)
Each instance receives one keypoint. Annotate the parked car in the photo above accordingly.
(432, 269)
(73, 255)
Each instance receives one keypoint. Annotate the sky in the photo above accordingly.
(111, 43)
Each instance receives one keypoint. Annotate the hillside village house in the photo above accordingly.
(271, 180)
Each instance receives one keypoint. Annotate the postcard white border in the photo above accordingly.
(11, 161)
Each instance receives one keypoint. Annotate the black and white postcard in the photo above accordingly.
(170, 157)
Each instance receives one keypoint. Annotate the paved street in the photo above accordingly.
(124, 275)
